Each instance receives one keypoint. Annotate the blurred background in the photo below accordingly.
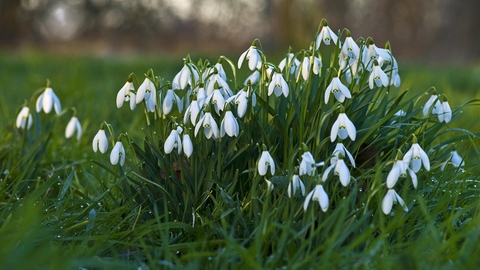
(427, 31)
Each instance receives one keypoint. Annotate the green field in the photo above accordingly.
(62, 206)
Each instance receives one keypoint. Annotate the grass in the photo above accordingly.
(64, 207)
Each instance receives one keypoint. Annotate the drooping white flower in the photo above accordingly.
(72, 127)
(192, 112)
(445, 112)
(455, 159)
(326, 35)
(147, 90)
(291, 62)
(278, 85)
(252, 78)
(229, 125)
(391, 66)
(349, 51)
(201, 95)
(24, 118)
(372, 53)
(220, 83)
(220, 69)
(187, 145)
(173, 141)
(377, 77)
(252, 55)
(339, 90)
(265, 162)
(317, 194)
(47, 100)
(400, 169)
(170, 99)
(434, 99)
(312, 62)
(241, 99)
(127, 93)
(188, 75)
(295, 185)
(415, 156)
(307, 164)
(340, 169)
(100, 141)
(117, 156)
(216, 98)
(390, 198)
(210, 127)
(343, 128)
(341, 150)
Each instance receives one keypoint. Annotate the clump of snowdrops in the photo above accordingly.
(326, 122)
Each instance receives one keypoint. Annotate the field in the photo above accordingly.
(63, 206)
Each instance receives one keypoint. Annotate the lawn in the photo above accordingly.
(63, 206)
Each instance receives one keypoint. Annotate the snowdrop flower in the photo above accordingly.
(278, 85)
(339, 90)
(229, 125)
(72, 126)
(117, 156)
(350, 50)
(317, 194)
(170, 99)
(455, 159)
(295, 185)
(221, 71)
(326, 35)
(173, 141)
(341, 170)
(372, 53)
(390, 198)
(217, 99)
(217, 81)
(343, 127)
(416, 157)
(341, 150)
(252, 78)
(445, 112)
(188, 75)
(24, 118)
(290, 61)
(252, 55)
(210, 127)
(400, 169)
(434, 99)
(147, 89)
(127, 93)
(307, 62)
(265, 162)
(242, 99)
(47, 100)
(201, 95)
(377, 77)
(187, 145)
(307, 165)
(100, 141)
(391, 65)
(192, 111)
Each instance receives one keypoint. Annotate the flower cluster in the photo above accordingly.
(47, 101)
(301, 107)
